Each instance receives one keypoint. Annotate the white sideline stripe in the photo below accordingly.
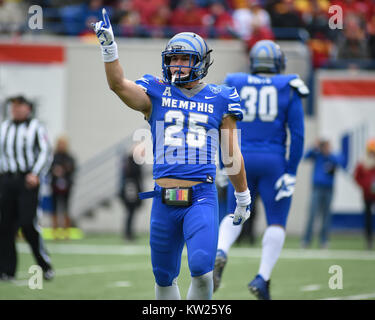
(120, 284)
(298, 254)
(86, 270)
(311, 287)
(356, 297)
(90, 249)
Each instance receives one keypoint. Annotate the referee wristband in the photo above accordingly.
(243, 198)
(109, 53)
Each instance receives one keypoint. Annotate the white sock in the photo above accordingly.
(201, 288)
(228, 234)
(272, 244)
(167, 293)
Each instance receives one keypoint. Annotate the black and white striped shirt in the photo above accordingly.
(24, 147)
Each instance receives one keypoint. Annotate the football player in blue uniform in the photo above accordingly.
(185, 116)
(273, 104)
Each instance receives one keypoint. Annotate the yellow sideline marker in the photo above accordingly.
(62, 234)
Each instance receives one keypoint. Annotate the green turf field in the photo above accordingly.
(106, 267)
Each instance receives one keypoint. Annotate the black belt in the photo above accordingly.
(178, 196)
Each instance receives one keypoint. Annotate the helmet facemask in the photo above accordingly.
(179, 76)
(192, 46)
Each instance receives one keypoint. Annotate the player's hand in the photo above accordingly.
(222, 178)
(241, 214)
(285, 186)
(31, 180)
(103, 30)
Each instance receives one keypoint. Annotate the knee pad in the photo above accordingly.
(200, 262)
(163, 278)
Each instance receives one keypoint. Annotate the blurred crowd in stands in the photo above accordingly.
(249, 20)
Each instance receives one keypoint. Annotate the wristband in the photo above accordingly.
(243, 198)
(109, 53)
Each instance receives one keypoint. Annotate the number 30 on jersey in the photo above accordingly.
(265, 99)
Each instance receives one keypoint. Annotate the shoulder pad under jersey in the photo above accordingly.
(299, 85)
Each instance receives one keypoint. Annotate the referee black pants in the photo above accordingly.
(18, 209)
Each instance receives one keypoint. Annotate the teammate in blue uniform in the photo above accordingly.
(185, 116)
(273, 104)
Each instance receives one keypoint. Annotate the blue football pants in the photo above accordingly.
(173, 226)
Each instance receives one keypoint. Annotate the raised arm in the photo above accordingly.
(128, 91)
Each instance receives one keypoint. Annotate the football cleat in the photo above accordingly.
(260, 288)
(220, 262)
(48, 274)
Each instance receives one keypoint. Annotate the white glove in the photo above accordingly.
(104, 32)
(242, 212)
(222, 178)
(285, 186)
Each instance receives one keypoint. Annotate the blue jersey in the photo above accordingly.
(324, 166)
(272, 104)
(185, 127)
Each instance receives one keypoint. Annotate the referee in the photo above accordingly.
(25, 154)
